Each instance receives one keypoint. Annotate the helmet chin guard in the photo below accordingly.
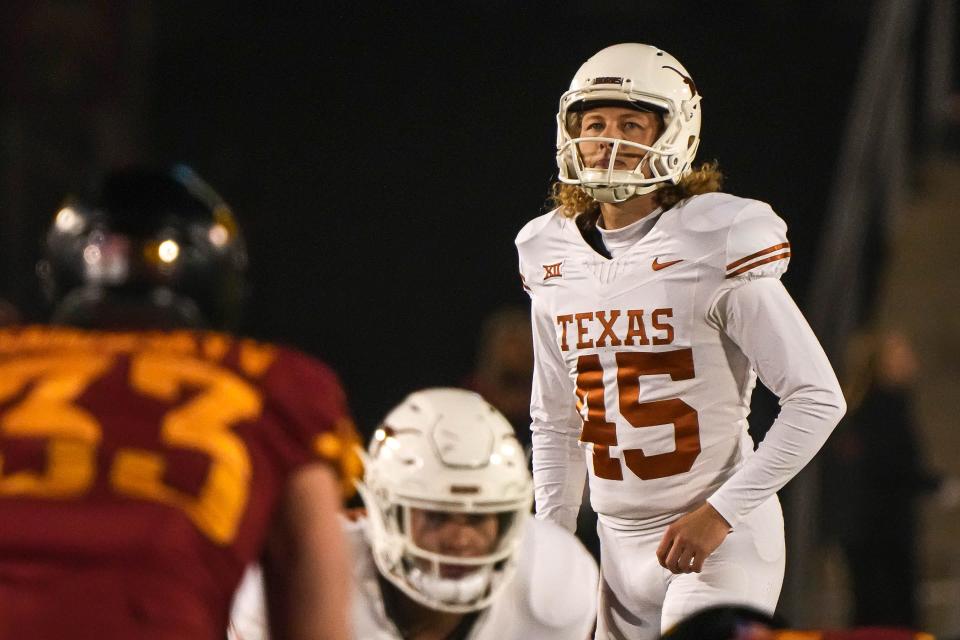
(449, 454)
(620, 193)
(637, 76)
(456, 592)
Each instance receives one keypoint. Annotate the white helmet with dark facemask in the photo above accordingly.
(637, 76)
(450, 454)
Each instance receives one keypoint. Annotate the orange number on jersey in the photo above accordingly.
(202, 424)
(631, 366)
(678, 364)
(596, 429)
(46, 411)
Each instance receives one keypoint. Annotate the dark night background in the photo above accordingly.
(382, 158)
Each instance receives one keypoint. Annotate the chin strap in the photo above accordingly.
(460, 591)
(620, 193)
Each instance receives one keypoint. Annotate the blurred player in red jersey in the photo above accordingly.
(145, 460)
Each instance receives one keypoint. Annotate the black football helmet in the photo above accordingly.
(150, 249)
(726, 622)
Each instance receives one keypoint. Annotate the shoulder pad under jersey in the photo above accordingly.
(561, 576)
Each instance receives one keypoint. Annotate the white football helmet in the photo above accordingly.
(447, 451)
(645, 78)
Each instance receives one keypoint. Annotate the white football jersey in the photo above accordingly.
(552, 594)
(631, 359)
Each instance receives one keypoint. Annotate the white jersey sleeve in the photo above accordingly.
(248, 615)
(755, 311)
(559, 579)
(559, 468)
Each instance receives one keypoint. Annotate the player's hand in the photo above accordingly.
(691, 539)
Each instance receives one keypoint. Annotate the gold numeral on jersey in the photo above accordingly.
(48, 415)
(202, 424)
(47, 411)
(631, 366)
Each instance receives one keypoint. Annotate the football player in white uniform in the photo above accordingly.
(447, 549)
(656, 302)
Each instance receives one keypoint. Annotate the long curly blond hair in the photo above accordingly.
(572, 200)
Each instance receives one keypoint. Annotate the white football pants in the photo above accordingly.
(639, 599)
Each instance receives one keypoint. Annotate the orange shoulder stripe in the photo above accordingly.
(752, 265)
(763, 252)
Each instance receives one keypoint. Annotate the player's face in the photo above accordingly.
(462, 535)
(620, 123)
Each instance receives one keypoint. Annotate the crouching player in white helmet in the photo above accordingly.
(447, 548)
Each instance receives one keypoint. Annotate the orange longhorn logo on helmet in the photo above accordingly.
(686, 79)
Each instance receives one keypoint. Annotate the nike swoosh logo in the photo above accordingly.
(663, 265)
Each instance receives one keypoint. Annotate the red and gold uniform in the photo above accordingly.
(139, 473)
(864, 633)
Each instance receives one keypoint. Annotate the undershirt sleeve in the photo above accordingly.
(559, 466)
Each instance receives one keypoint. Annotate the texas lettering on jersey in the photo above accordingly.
(600, 328)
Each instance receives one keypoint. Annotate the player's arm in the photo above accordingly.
(559, 468)
(762, 319)
(307, 563)
(754, 310)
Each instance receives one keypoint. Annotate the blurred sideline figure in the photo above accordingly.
(448, 548)
(146, 460)
(874, 475)
(656, 304)
(504, 367)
